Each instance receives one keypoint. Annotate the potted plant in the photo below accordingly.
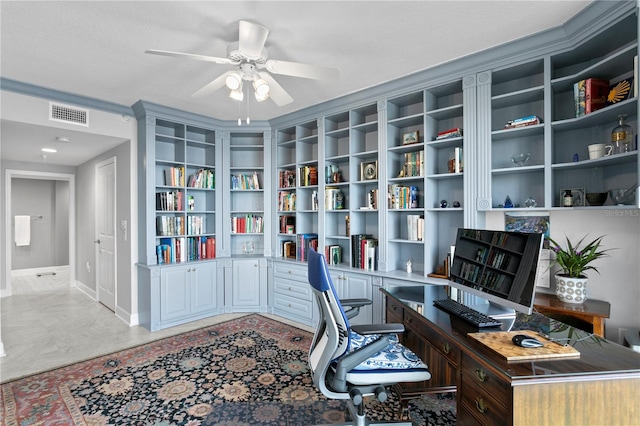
(571, 283)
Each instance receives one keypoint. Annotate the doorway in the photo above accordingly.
(10, 175)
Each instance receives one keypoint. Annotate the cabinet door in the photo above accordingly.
(246, 283)
(354, 286)
(174, 293)
(203, 288)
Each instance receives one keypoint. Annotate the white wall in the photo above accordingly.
(619, 278)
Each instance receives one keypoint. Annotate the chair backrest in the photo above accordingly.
(331, 339)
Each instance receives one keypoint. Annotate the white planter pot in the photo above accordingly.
(571, 289)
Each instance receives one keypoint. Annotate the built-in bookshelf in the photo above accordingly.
(185, 185)
(246, 194)
(609, 56)
(351, 184)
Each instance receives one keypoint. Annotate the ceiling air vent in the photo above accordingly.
(68, 114)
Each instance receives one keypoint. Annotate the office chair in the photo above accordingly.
(351, 363)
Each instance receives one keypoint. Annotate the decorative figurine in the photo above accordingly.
(456, 204)
(530, 202)
(508, 203)
(409, 269)
(443, 204)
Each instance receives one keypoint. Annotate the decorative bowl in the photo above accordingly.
(520, 159)
(596, 198)
(622, 196)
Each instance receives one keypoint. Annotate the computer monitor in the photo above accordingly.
(498, 266)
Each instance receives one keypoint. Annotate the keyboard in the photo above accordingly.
(466, 313)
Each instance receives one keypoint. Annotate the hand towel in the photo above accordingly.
(23, 230)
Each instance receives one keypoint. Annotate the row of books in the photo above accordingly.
(402, 197)
(308, 176)
(176, 225)
(173, 250)
(286, 201)
(333, 254)
(169, 201)
(287, 224)
(333, 198)
(415, 227)
(457, 165)
(170, 225)
(371, 201)
(203, 179)
(592, 94)
(304, 242)
(248, 224)
(286, 179)
(413, 164)
(245, 181)
(364, 252)
(174, 176)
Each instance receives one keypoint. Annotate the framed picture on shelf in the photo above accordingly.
(576, 193)
(411, 137)
(369, 170)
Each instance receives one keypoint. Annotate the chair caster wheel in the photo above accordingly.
(356, 396)
(381, 394)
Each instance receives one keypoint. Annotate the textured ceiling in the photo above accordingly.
(96, 48)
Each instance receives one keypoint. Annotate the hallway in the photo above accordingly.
(45, 325)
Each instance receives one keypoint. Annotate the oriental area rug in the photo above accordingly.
(247, 371)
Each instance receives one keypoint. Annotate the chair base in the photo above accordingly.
(361, 420)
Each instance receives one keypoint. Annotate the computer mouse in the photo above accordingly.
(526, 341)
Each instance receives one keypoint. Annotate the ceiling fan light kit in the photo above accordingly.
(249, 56)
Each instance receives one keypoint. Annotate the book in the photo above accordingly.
(529, 120)
(590, 95)
(451, 133)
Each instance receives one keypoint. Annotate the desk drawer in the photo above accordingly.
(474, 372)
(293, 306)
(478, 403)
(440, 343)
(394, 312)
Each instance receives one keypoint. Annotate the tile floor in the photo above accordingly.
(46, 324)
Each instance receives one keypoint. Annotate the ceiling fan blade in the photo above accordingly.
(213, 86)
(190, 56)
(279, 96)
(252, 39)
(295, 69)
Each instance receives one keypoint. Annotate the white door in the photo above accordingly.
(106, 233)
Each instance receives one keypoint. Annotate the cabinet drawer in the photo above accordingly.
(293, 272)
(481, 405)
(293, 289)
(440, 343)
(474, 372)
(293, 306)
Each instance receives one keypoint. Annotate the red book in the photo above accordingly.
(596, 92)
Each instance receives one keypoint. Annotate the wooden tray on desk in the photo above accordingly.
(500, 342)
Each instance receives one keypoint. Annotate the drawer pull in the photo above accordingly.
(446, 348)
(480, 405)
(289, 270)
(394, 307)
(290, 288)
(481, 374)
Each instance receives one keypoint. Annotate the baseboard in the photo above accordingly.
(91, 293)
(42, 270)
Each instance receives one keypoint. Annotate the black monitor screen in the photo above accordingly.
(498, 266)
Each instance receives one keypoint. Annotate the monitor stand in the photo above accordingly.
(505, 315)
(494, 310)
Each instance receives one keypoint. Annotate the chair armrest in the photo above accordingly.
(356, 303)
(391, 328)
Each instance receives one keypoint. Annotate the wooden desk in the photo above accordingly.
(600, 387)
(593, 312)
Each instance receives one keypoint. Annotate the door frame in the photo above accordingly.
(115, 230)
(10, 174)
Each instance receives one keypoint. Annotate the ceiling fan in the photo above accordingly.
(249, 57)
